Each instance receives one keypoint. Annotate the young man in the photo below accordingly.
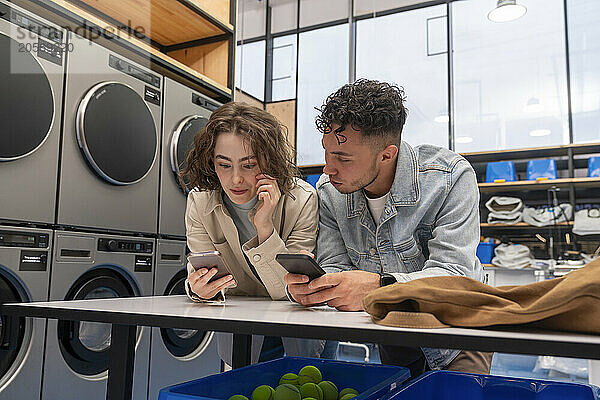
(389, 213)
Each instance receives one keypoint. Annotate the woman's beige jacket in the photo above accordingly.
(210, 227)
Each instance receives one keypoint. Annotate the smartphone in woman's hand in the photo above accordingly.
(208, 260)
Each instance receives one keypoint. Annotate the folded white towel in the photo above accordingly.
(587, 222)
(504, 205)
(548, 215)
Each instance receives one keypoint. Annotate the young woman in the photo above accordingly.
(247, 203)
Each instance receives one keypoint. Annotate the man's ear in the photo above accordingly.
(389, 153)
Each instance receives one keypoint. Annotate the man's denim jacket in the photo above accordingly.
(429, 226)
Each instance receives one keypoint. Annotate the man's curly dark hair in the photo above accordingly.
(374, 108)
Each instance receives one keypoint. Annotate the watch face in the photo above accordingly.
(387, 279)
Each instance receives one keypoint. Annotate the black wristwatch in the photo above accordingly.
(386, 279)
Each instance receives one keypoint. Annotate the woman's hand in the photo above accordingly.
(269, 194)
(199, 283)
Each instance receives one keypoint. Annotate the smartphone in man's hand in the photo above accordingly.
(301, 264)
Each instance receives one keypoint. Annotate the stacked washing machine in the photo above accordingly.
(31, 96)
(24, 277)
(178, 355)
(32, 61)
(186, 113)
(89, 266)
(110, 165)
(108, 194)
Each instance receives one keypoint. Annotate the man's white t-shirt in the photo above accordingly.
(377, 205)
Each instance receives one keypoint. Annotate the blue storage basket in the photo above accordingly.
(450, 385)
(485, 252)
(594, 167)
(313, 179)
(372, 381)
(541, 169)
(500, 171)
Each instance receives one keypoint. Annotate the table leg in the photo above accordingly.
(121, 362)
(594, 372)
(242, 346)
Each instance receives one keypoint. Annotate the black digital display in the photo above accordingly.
(23, 239)
(18, 239)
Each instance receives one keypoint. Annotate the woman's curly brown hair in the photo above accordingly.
(375, 108)
(266, 137)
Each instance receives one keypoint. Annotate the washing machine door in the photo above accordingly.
(85, 346)
(116, 133)
(182, 142)
(15, 333)
(26, 103)
(185, 344)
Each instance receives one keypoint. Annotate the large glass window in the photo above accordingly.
(314, 12)
(362, 7)
(584, 52)
(250, 69)
(510, 77)
(322, 69)
(284, 68)
(252, 19)
(284, 15)
(419, 65)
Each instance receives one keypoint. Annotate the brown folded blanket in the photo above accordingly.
(568, 303)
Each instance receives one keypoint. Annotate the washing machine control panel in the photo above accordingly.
(31, 24)
(23, 239)
(132, 70)
(124, 246)
(202, 102)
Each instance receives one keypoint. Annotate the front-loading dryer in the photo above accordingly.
(177, 355)
(88, 266)
(110, 166)
(185, 113)
(25, 256)
(32, 58)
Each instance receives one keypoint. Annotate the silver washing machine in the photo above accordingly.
(185, 113)
(88, 266)
(177, 355)
(109, 169)
(25, 256)
(32, 54)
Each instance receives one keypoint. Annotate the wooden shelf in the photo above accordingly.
(167, 22)
(522, 225)
(538, 185)
(206, 65)
(527, 153)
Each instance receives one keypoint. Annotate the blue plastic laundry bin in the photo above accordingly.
(500, 171)
(485, 252)
(313, 179)
(540, 169)
(372, 381)
(450, 385)
(594, 167)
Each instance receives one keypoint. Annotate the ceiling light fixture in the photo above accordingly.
(533, 105)
(464, 139)
(506, 11)
(540, 132)
(442, 119)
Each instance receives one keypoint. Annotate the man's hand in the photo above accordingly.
(298, 287)
(343, 290)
